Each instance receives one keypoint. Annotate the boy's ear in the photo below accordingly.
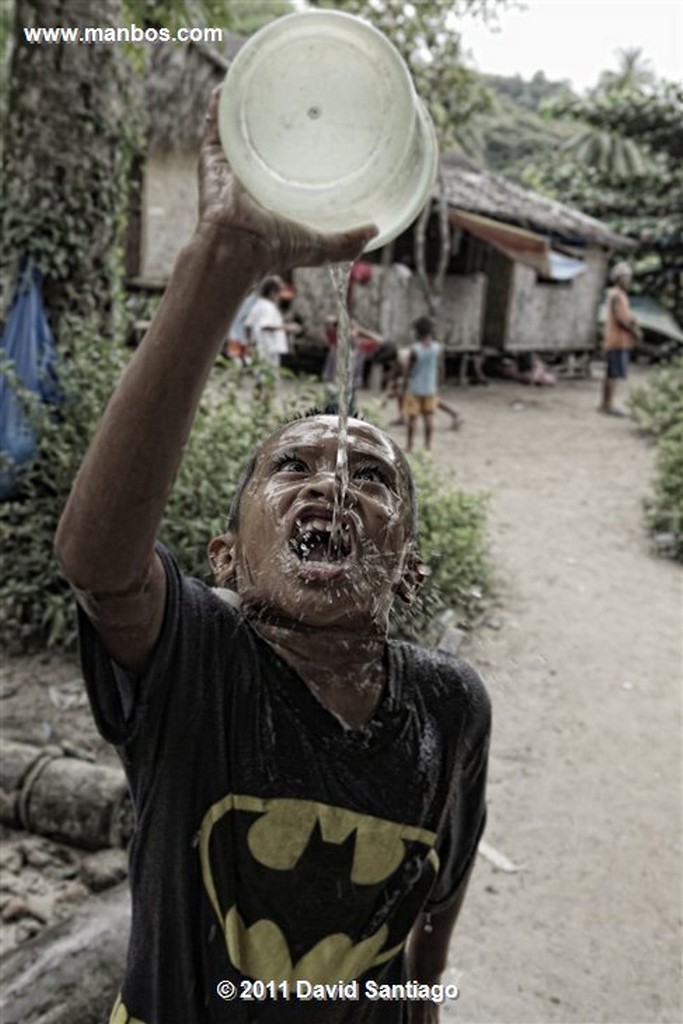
(221, 553)
(414, 574)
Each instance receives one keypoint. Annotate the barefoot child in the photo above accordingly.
(424, 373)
(308, 795)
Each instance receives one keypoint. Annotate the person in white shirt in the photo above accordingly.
(266, 327)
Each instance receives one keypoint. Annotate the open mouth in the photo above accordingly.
(316, 540)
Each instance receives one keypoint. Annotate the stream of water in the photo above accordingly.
(339, 275)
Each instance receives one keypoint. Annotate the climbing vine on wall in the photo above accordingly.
(71, 128)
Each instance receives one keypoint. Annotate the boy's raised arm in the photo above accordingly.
(105, 539)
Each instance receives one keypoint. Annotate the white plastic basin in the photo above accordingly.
(321, 123)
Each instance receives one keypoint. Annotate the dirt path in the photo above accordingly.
(585, 676)
(583, 662)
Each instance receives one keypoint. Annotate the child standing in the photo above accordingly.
(424, 373)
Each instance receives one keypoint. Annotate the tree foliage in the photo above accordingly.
(634, 73)
(239, 16)
(529, 93)
(636, 186)
(652, 119)
(514, 132)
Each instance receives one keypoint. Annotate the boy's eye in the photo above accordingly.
(372, 474)
(291, 464)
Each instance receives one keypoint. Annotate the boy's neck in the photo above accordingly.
(344, 671)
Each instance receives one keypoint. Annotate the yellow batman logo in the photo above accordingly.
(120, 1015)
(325, 893)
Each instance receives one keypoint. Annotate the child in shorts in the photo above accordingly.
(424, 373)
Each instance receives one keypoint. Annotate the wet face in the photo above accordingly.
(284, 555)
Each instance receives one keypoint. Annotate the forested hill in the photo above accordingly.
(514, 133)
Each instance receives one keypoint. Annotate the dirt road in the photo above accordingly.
(585, 673)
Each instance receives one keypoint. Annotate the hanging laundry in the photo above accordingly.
(28, 344)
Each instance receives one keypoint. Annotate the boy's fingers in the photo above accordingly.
(343, 246)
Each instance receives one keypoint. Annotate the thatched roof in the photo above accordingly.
(471, 188)
(179, 82)
(177, 89)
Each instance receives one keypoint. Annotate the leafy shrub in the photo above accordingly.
(36, 602)
(664, 510)
(33, 594)
(658, 405)
(37, 606)
(452, 527)
(658, 410)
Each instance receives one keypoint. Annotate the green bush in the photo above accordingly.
(658, 405)
(664, 510)
(34, 598)
(37, 607)
(452, 525)
(658, 410)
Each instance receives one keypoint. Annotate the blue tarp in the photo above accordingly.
(28, 344)
(565, 268)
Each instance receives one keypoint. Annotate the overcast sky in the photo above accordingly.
(577, 39)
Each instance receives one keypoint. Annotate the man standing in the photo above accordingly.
(621, 332)
(266, 327)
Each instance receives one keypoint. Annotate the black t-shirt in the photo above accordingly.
(272, 843)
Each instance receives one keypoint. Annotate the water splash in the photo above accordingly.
(340, 274)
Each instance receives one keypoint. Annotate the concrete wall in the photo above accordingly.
(555, 317)
(169, 198)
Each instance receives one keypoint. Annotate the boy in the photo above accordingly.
(424, 373)
(308, 797)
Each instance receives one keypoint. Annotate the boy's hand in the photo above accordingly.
(277, 244)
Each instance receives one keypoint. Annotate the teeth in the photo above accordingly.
(317, 533)
(315, 526)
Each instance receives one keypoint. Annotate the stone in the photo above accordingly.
(101, 870)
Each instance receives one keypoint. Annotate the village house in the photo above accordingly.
(524, 273)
